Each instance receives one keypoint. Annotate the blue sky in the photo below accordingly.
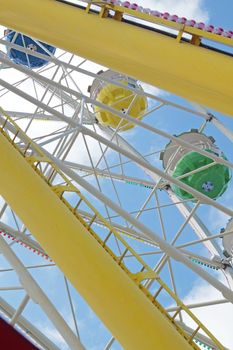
(220, 12)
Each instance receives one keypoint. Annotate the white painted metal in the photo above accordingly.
(170, 250)
(58, 62)
(19, 310)
(143, 164)
(19, 236)
(37, 295)
(7, 311)
(228, 239)
(198, 226)
(173, 150)
(198, 305)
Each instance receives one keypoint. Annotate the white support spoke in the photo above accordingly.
(161, 174)
(153, 208)
(110, 343)
(36, 116)
(36, 293)
(93, 75)
(95, 175)
(112, 178)
(169, 249)
(42, 99)
(139, 161)
(165, 257)
(211, 263)
(117, 165)
(20, 237)
(29, 267)
(26, 327)
(20, 309)
(200, 305)
(143, 207)
(57, 137)
(154, 109)
(111, 110)
(198, 226)
(169, 261)
(72, 308)
(109, 174)
(7, 289)
(3, 210)
(226, 131)
(219, 235)
(138, 236)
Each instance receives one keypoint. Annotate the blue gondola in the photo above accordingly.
(20, 57)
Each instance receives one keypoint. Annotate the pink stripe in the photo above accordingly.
(174, 18)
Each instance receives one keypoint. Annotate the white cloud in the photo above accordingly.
(153, 90)
(216, 218)
(55, 337)
(186, 8)
(79, 152)
(219, 318)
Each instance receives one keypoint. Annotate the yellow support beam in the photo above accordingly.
(116, 299)
(195, 73)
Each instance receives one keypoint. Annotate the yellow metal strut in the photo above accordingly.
(187, 70)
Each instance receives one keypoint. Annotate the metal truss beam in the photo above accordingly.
(36, 294)
(38, 337)
(169, 249)
(150, 169)
(19, 236)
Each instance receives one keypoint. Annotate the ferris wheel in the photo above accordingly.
(113, 190)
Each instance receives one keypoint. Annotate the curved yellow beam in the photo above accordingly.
(116, 299)
(195, 73)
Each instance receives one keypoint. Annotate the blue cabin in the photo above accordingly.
(20, 57)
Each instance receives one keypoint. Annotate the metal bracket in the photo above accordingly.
(140, 276)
